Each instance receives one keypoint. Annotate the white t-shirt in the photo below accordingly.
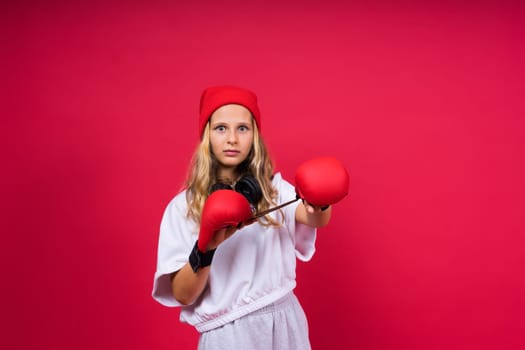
(251, 269)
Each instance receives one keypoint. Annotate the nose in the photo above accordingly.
(232, 137)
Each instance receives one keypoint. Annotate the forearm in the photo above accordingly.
(187, 285)
(313, 216)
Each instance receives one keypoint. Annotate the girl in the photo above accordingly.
(237, 291)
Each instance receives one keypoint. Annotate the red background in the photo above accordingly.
(422, 101)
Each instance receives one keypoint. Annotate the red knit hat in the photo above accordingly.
(216, 96)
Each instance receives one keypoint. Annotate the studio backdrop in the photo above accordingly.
(422, 102)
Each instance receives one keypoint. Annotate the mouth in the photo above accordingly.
(231, 152)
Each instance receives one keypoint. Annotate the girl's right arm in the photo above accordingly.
(188, 285)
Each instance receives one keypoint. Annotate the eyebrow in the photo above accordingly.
(230, 123)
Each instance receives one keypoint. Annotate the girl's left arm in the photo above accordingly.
(312, 215)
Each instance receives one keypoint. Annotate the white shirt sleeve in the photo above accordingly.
(176, 239)
(303, 235)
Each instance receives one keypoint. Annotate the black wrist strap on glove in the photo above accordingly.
(199, 259)
(323, 208)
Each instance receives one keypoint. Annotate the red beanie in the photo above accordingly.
(216, 96)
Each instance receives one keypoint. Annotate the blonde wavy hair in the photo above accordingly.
(203, 174)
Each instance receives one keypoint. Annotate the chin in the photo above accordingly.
(230, 163)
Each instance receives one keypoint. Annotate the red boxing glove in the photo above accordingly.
(322, 181)
(222, 208)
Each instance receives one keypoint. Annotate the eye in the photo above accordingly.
(220, 128)
(243, 128)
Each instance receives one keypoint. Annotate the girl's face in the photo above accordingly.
(231, 136)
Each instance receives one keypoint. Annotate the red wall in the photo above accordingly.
(423, 103)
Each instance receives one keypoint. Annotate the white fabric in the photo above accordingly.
(278, 326)
(251, 269)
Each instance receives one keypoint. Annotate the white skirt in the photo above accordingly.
(278, 326)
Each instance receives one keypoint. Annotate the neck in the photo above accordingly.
(228, 175)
